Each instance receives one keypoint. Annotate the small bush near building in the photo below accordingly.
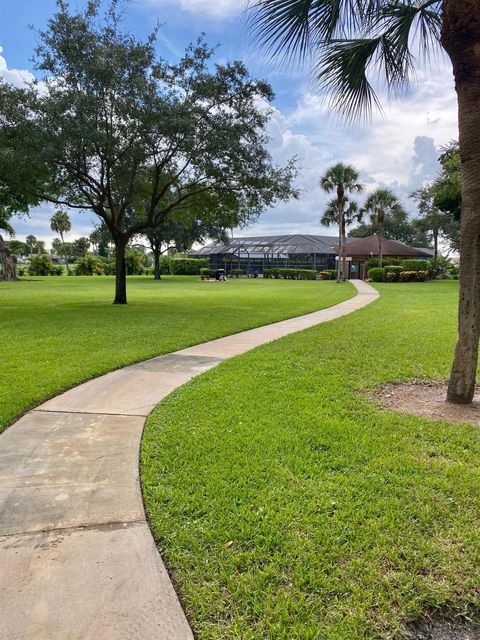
(290, 274)
(417, 265)
(88, 266)
(327, 274)
(207, 272)
(41, 265)
(187, 266)
(236, 273)
(392, 273)
(377, 274)
(414, 276)
(372, 263)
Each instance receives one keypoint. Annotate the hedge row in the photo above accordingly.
(393, 273)
(290, 274)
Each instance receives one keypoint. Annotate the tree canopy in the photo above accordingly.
(120, 130)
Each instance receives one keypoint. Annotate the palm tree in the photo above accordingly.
(347, 41)
(31, 241)
(379, 203)
(60, 223)
(341, 178)
(351, 213)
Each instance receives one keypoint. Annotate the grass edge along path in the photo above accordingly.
(289, 507)
(59, 332)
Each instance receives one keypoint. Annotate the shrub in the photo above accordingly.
(327, 274)
(417, 265)
(373, 262)
(22, 270)
(40, 266)
(165, 264)
(290, 274)
(187, 266)
(109, 267)
(414, 276)
(88, 266)
(376, 274)
(57, 270)
(238, 272)
(392, 273)
(134, 263)
(206, 271)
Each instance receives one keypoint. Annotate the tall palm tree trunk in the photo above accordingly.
(344, 250)
(64, 252)
(381, 235)
(461, 39)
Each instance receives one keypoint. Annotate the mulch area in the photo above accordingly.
(427, 399)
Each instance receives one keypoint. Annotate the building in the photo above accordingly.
(300, 251)
(359, 250)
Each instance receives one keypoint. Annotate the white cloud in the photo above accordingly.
(16, 77)
(219, 9)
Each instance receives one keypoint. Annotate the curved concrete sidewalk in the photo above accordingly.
(77, 560)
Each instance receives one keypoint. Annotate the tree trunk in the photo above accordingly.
(461, 39)
(435, 246)
(157, 270)
(344, 250)
(339, 261)
(8, 262)
(380, 245)
(120, 272)
(64, 252)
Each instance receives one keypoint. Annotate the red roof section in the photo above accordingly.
(369, 246)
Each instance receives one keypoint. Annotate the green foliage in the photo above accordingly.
(88, 266)
(187, 266)
(377, 274)
(328, 274)
(392, 272)
(290, 274)
(416, 265)
(117, 109)
(135, 263)
(165, 264)
(238, 272)
(373, 262)
(205, 271)
(41, 265)
(414, 276)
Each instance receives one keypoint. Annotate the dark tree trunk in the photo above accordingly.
(157, 269)
(120, 272)
(8, 262)
(435, 246)
(461, 39)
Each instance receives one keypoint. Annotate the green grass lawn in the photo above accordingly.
(58, 332)
(289, 507)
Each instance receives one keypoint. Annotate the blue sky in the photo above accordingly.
(397, 149)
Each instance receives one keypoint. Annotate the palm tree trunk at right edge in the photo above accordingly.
(461, 39)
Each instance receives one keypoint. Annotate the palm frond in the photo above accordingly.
(348, 40)
(292, 28)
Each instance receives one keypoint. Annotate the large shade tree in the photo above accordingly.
(348, 42)
(378, 205)
(120, 129)
(342, 179)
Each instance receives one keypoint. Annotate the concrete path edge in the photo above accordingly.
(77, 558)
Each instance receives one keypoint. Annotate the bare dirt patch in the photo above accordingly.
(427, 629)
(427, 398)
